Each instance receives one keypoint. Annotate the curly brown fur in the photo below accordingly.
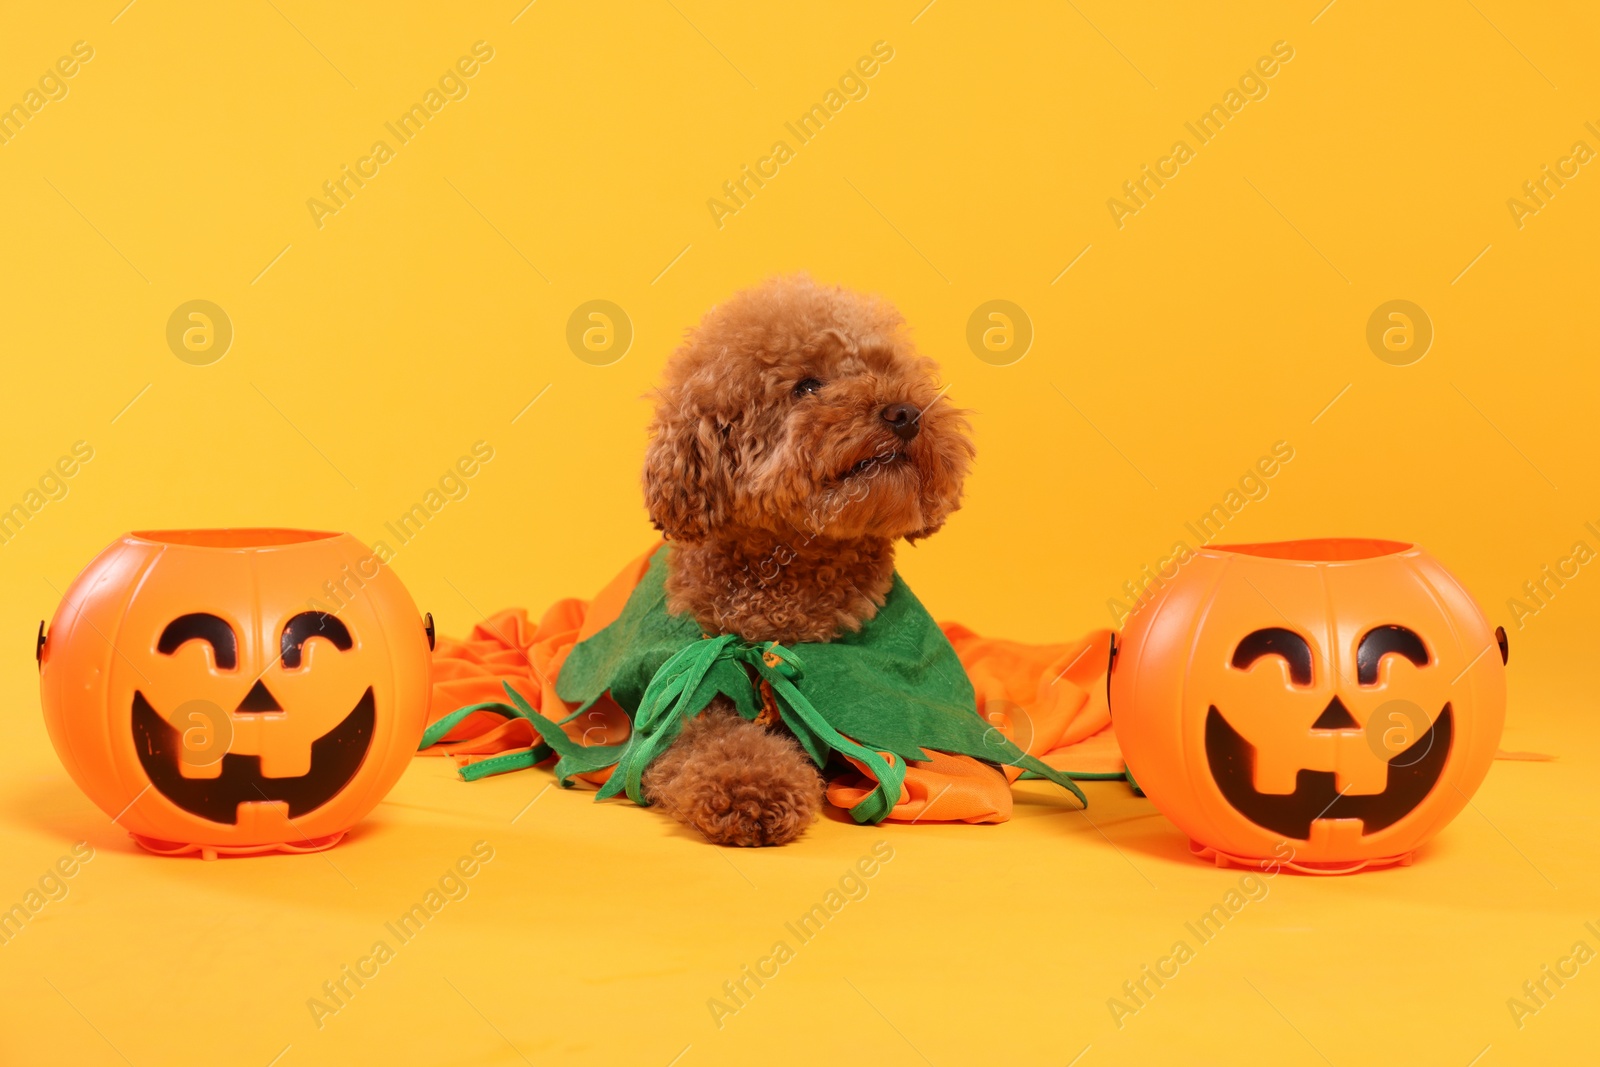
(776, 469)
(764, 587)
(735, 782)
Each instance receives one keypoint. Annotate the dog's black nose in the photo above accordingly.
(903, 419)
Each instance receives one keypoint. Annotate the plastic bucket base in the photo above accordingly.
(1224, 859)
(211, 852)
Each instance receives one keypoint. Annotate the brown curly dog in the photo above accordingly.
(797, 436)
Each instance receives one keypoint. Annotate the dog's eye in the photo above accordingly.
(807, 387)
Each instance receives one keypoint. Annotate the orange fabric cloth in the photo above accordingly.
(1048, 699)
(507, 647)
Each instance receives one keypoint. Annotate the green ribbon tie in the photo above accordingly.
(681, 689)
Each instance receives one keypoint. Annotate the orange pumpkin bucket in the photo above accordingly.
(236, 691)
(1324, 705)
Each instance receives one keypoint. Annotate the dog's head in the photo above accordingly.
(801, 408)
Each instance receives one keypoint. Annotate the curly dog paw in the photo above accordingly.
(736, 782)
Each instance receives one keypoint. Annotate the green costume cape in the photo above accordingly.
(893, 686)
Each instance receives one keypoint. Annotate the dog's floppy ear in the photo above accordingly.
(685, 473)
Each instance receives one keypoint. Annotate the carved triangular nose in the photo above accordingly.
(258, 700)
(1336, 717)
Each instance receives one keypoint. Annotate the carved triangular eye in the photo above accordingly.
(1336, 717)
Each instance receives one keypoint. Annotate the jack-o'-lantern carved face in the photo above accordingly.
(177, 759)
(1409, 775)
(1337, 699)
(236, 690)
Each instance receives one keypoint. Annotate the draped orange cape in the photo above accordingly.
(1049, 699)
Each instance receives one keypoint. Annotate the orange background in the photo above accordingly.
(368, 354)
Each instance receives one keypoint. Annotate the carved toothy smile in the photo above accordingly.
(1412, 774)
(335, 758)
